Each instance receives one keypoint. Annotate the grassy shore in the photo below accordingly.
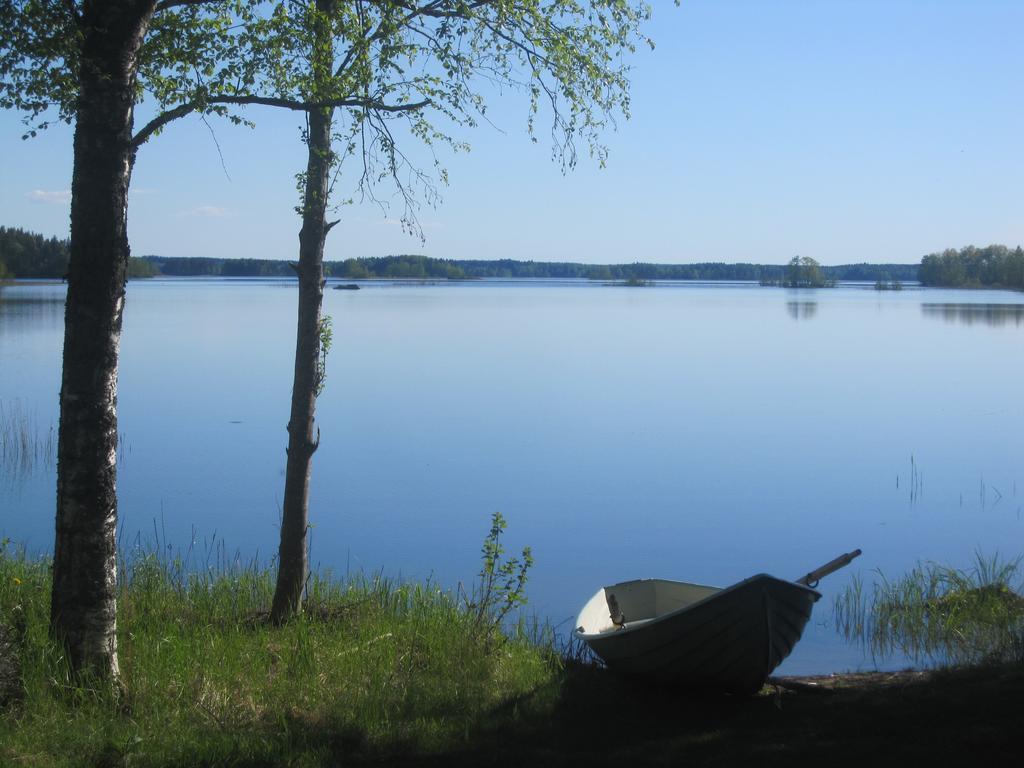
(372, 668)
(382, 673)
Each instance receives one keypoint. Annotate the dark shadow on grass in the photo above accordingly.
(963, 717)
(592, 717)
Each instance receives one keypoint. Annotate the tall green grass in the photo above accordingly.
(373, 667)
(938, 614)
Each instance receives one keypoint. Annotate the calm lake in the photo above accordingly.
(703, 432)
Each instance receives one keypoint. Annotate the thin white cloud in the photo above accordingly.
(54, 196)
(206, 212)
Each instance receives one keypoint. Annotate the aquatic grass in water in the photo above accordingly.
(938, 614)
(23, 445)
(27, 447)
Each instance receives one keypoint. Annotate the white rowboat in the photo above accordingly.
(698, 636)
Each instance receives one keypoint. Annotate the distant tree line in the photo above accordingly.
(872, 272)
(995, 266)
(647, 271)
(213, 267)
(397, 267)
(30, 255)
(509, 268)
(426, 268)
(25, 254)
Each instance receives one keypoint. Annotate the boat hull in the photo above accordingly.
(720, 639)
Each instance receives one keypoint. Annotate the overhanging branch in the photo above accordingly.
(160, 121)
(182, 110)
(163, 5)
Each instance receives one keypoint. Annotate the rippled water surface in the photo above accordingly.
(692, 431)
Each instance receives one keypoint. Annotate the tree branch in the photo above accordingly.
(72, 9)
(429, 10)
(164, 5)
(160, 121)
(170, 115)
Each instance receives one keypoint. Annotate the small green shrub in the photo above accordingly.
(501, 586)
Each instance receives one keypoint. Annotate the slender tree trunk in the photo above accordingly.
(83, 602)
(303, 437)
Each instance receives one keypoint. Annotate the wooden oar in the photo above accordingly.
(811, 579)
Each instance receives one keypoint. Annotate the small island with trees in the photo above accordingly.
(801, 272)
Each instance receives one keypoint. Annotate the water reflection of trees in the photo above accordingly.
(971, 314)
(20, 309)
(802, 310)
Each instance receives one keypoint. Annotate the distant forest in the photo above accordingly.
(26, 254)
(425, 268)
(29, 255)
(993, 267)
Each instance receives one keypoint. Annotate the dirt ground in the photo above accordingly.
(953, 717)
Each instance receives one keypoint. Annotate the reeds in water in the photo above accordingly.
(24, 445)
(938, 614)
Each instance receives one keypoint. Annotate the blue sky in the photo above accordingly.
(846, 131)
